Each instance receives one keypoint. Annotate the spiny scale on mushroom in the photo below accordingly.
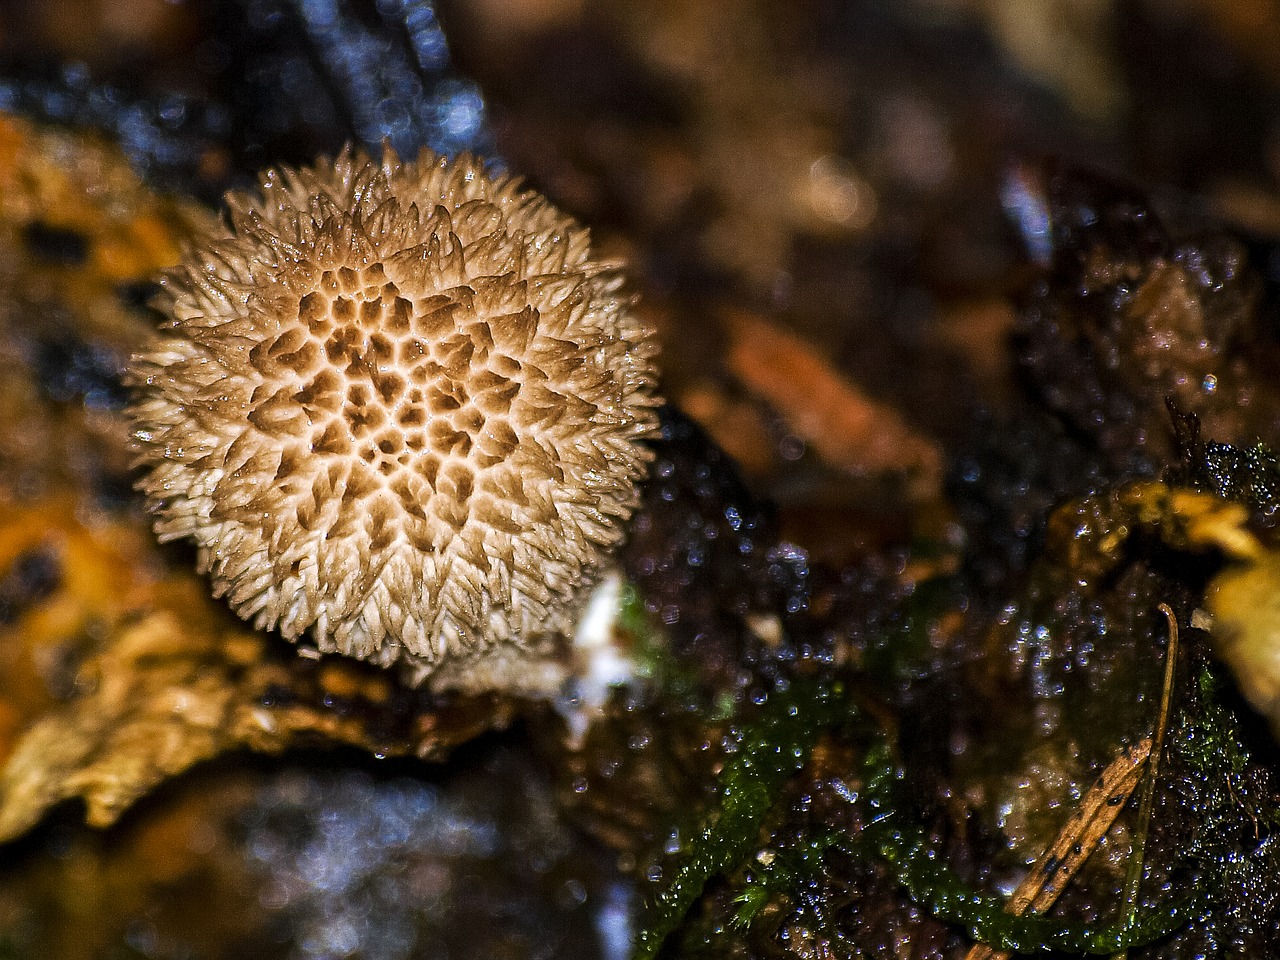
(399, 406)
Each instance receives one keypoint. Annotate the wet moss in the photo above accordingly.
(761, 757)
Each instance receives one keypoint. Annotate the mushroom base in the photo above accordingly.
(576, 672)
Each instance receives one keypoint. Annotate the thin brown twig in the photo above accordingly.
(1146, 802)
(1046, 880)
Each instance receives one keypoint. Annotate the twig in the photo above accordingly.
(1046, 880)
(1133, 878)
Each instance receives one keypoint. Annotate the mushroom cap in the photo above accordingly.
(400, 407)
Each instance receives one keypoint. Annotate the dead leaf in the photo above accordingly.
(844, 426)
(167, 679)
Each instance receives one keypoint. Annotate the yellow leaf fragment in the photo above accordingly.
(84, 184)
(166, 678)
(1244, 602)
(1091, 532)
(1192, 520)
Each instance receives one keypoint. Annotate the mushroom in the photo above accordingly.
(399, 409)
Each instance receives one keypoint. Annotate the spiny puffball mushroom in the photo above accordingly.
(397, 406)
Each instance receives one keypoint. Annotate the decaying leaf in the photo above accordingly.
(1243, 600)
(82, 206)
(81, 240)
(141, 675)
(847, 428)
(1245, 604)
(1091, 532)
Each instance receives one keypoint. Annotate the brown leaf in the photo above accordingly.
(844, 426)
(166, 679)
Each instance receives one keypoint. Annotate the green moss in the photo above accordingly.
(1214, 831)
(903, 843)
(768, 751)
(771, 749)
(1235, 812)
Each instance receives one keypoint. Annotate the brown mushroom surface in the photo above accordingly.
(399, 407)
